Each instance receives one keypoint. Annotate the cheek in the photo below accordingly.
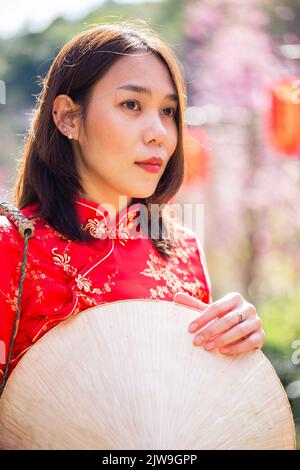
(109, 133)
(102, 126)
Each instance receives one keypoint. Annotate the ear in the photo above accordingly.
(65, 116)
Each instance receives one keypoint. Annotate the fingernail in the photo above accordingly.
(198, 340)
(210, 345)
(193, 326)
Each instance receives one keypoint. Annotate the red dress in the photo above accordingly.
(65, 277)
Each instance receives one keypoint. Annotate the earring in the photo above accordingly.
(70, 136)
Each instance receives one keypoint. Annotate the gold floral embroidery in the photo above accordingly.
(125, 227)
(10, 233)
(63, 260)
(36, 275)
(174, 278)
(84, 283)
(121, 231)
(96, 228)
(100, 229)
(12, 299)
(31, 275)
(182, 249)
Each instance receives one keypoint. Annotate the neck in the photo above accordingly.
(113, 206)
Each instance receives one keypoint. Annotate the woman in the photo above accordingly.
(113, 98)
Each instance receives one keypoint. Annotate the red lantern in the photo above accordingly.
(197, 155)
(285, 116)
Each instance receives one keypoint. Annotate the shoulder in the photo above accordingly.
(185, 242)
(8, 215)
(182, 235)
(9, 233)
(41, 227)
(11, 249)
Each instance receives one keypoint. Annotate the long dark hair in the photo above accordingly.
(47, 174)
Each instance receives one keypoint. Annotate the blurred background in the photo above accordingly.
(242, 69)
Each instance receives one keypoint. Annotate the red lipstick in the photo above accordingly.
(152, 165)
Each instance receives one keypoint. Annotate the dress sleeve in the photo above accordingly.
(203, 263)
(11, 257)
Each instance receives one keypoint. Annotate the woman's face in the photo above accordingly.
(125, 126)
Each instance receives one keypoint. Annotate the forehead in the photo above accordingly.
(143, 69)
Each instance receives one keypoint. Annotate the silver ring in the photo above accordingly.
(240, 317)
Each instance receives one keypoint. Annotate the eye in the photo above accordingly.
(133, 102)
(173, 112)
(129, 101)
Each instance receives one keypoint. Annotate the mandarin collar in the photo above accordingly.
(95, 219)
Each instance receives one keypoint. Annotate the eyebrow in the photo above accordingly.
(147, 91)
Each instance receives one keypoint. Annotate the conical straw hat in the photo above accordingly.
(126, 375)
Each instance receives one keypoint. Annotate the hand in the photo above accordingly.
(223, 330)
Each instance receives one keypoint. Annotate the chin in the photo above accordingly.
(143, 194)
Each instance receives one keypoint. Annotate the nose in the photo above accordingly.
(156, 132)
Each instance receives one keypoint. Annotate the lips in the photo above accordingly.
(152, 161)
(149, 167)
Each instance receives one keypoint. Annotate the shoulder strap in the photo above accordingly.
(26, 230)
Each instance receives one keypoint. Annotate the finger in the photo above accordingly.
(219, 349)
(236, 333)
(252, 342)
(230, 320)
(218, 326)
(186, 299)
(216, 309)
